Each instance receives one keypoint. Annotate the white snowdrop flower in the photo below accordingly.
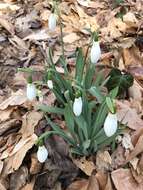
(77, 106)
(31, 91)
(52, 22)
(42, 154)
(50, 84)
(95, 53)
(110, 124)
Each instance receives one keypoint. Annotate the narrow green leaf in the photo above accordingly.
(50, 109)
(79, 65)
(110, 104)
(94, 91)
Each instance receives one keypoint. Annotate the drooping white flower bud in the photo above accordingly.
(31, 91)
(110, 124)
(52, 22)
(50, 84)
(95, 53)
(42, 154)
(77, 106)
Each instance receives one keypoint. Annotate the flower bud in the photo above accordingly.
(50, 84)
(31, 91)
(42, 154)
(52, 22)
(77, 106)
(95, 53)
(110, 124)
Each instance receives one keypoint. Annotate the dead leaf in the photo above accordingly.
(35, 165)
(123, 179)
(79, 184)
(86, 166)
(7, 25)
(29, 186)
(130, 19)
(137, 150)
(5, 114)
(1, 166)
(70, 38)
(103, 160)
(14, 162)
(19, 178)
(102, 179)
(9, 6)
(16, 99)
(93, 183)
(30, 120)
(109, 184)
(128, 115)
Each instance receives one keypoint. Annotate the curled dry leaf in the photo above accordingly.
(35, 165)
(123, 179)
(14, 162)
(128, 115)
(16, 99)
(86, 166)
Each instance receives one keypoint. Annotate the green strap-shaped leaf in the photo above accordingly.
(79, 65)
(50, 109)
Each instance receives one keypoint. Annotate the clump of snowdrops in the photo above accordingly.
(89, 114)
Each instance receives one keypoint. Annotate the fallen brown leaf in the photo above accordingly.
(93, 183)
(79, 184)
(128, 115)
(123, 179)
(86, 166)
(16, 99)
(103, 160)
(7, 25)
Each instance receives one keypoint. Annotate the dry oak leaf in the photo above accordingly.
(86, 166)
(128, 115)
(123, 179)
(14, 162)
(16, 99)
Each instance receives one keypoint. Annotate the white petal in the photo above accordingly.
(31, 92)
(50, 84)
(42, 154)
(95, 53)
(52, 22)
(110, 124)
(77, 106)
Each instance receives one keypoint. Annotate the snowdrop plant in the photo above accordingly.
(89, 113)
